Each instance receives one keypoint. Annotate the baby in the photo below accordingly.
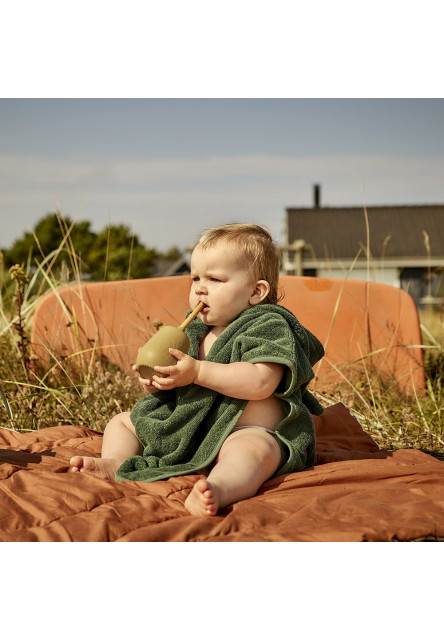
(234, 268)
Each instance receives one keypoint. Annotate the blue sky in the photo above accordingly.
(169, 168)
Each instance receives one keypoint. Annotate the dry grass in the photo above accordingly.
(32, 397)
(396, 420)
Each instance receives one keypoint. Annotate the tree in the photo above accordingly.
(112, 254)
(117, 255)
(52, 232)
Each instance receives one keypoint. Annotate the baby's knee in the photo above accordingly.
(262, 445)
(121, 419)
(267, 447)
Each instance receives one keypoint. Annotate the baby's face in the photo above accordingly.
(221, 284)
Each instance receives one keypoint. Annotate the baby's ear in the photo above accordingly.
(261, 291)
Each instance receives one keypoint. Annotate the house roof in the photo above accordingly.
(164, 267)
(394, 231)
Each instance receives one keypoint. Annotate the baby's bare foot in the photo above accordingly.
(101, 467)
(202, 500)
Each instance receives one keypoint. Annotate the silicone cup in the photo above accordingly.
(156, 351)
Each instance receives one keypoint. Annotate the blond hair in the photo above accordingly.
(257, 252)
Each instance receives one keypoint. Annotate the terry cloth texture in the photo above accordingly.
(183, 429)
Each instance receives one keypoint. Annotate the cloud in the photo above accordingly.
(170, 201)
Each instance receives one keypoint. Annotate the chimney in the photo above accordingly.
(316, 196)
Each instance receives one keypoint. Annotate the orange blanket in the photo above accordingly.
(355, 492)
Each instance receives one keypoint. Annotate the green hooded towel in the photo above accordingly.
(183, 429)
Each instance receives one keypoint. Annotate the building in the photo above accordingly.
(402, 246)
(164, 267)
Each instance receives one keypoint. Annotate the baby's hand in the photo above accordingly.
(180, 374)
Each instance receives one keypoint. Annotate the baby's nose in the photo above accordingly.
(200, 287)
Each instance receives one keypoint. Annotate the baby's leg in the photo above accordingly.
(119, 443)
(246, 460)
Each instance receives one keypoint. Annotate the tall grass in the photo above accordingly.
(33, 396)
(397, 420)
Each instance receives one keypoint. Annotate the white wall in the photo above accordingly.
(384, 276)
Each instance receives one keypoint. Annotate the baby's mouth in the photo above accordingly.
(205, 308)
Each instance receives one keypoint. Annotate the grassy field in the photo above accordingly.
(32, 397)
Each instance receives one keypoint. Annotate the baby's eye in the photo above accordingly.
(195, 278)
(216, 280)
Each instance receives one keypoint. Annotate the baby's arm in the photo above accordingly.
(237, 379)
(241, 379)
